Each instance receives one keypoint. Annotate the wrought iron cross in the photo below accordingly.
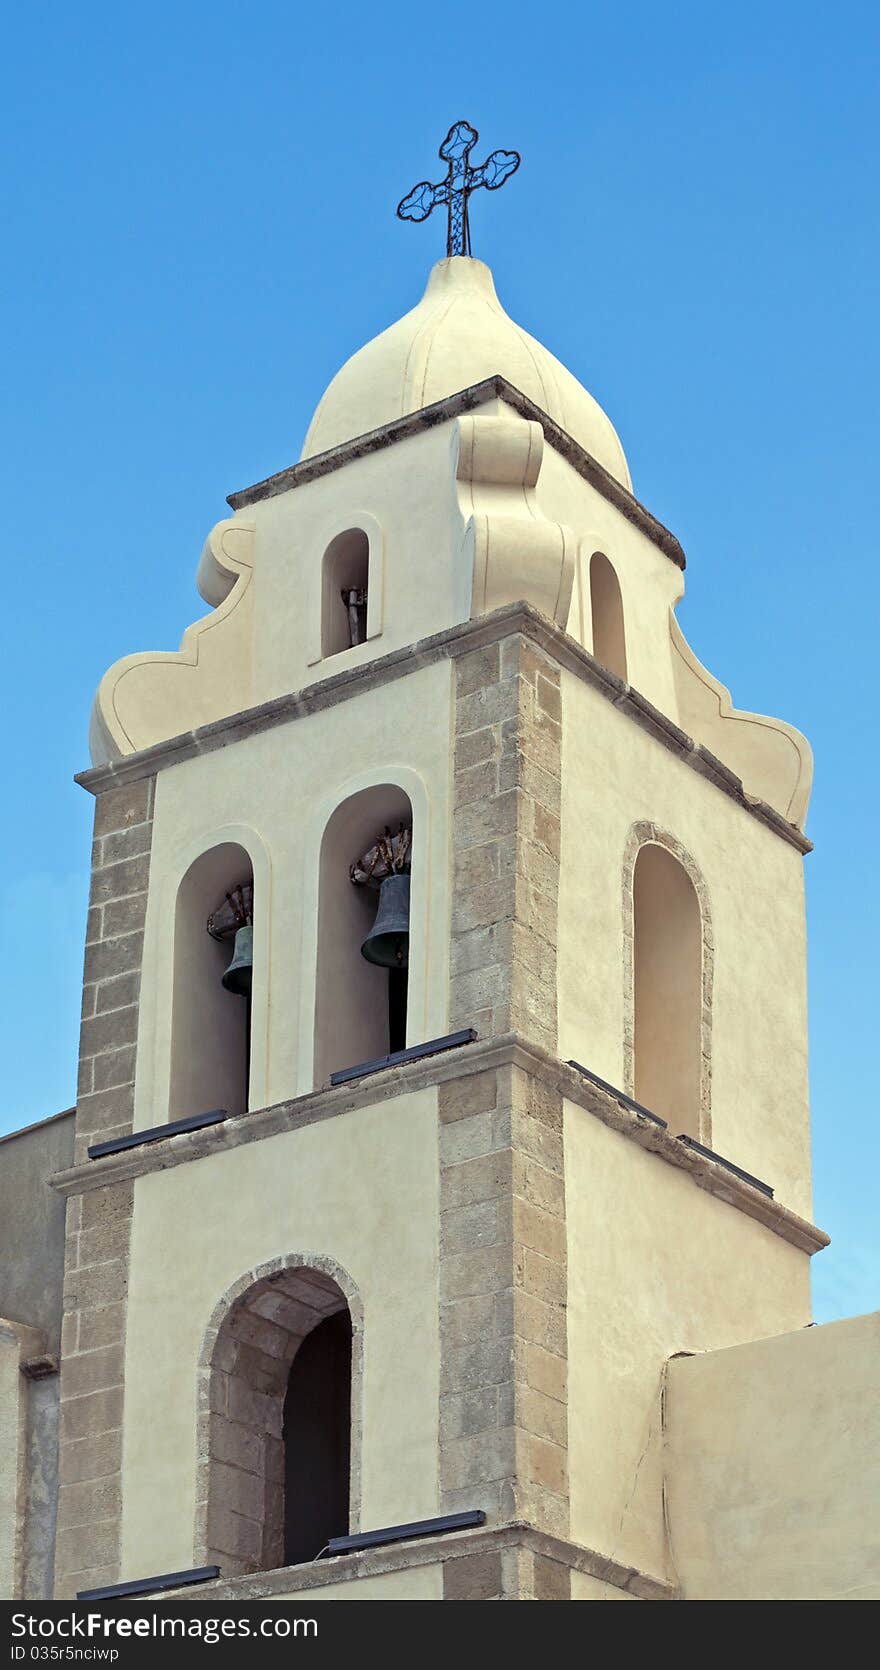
(461, 180)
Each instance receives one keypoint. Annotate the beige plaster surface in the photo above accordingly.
(654, 1267)
(17, 1343)
(585, 1587)
(457, 335)
(503, 515)
(362, 1190)
(773, 1464)
(613, 776)
(419, 1583)
(273, 794)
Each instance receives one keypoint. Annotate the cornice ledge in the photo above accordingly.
(484, 1055)
(427, 417)
(451, 642)
(429, 1551)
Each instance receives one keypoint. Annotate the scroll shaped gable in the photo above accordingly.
(773, 760)
(517, 553)
(149, 697)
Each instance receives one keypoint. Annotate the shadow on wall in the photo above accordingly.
(668, 946)
(606, 606)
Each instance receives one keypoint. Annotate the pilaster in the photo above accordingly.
(99, 1223)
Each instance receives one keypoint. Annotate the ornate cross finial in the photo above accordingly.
(460, 181)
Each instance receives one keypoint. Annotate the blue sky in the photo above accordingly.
(198, 204)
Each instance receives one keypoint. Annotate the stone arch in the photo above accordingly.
(641, 835)
(243, 1370)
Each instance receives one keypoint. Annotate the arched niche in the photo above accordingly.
(606, 608)
(669, 972)
(210, 1027)
(352, 1020)
(279, 1427)
(345, 576)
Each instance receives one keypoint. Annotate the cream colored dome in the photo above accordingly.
(459, 334)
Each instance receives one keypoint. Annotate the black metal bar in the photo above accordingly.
(700, 1148)
(417, 1052)
(619, 1095)
(157, 1133)
(406, 1533)
(153, 1585)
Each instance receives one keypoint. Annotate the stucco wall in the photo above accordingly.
(655, 1266)
(32, 1224)
(31, 1280)
(773, 1461)
(614, 775)
(422, 1583)
(361, 1189)
(274, 794)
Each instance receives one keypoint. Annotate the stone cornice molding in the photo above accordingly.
(482, 1056)
(492, 388)
(453, 641)
(429, 1551)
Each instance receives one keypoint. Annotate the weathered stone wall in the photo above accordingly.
(99, 1222)
(503, 1415)
(506, 841)
(503, 1420)
(32, 1217)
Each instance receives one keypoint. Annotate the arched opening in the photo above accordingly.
(606, 603)
(360, 1008)
(667, 954)
(210, 1028)
(281, 1449)
(317, 1440)
(345, 582)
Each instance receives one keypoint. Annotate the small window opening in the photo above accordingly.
(345, 591)
(606, 603)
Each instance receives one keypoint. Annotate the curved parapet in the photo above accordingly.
(149, 697)
(517, 553)
(773, 760)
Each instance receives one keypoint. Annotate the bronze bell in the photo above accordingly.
(239, 974)
(387, 943)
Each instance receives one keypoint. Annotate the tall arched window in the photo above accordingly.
(360, 1008)
(606, 603)
(279, 1436)
(667, 958)
(345, 584)
(210, 1042)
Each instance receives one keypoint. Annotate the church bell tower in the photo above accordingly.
(443, 1063)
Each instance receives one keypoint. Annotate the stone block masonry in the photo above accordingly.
(99, 1222)
(503, 1408)
(503, 1277)
(506, 841)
